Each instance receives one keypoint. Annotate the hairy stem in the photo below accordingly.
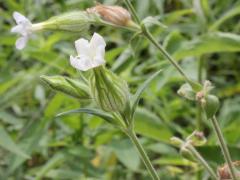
(224, 147)
(143, 154)
(202, 161)
(149, 36)
(199, 124)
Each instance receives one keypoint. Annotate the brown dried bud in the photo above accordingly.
(114, 14)
(223, 171)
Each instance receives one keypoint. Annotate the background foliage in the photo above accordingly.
(202, 35)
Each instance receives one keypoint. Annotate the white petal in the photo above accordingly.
(19, 18)
(82, 47)
(17, 29)
(100, 51)
(21, 42)
(98, 61)
(82, 63)
(96, 41)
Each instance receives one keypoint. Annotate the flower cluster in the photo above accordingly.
(108, 90)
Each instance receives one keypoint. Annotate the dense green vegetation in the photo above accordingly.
(201, 35)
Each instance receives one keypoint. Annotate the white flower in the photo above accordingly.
(23, 27)
(90, 54)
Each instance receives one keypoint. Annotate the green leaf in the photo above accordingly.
(149, 125)
(229, 14)
(29, 143)
(209, 43)
(136, 97)
(96, 112)
(150, 20)
(126, 153)
(7, 143)
(214, 154)
(56, 160)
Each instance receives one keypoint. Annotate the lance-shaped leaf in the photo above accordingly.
(136, 97)
(150, 20)
(68, 86)
(7, 143)
(96, 112)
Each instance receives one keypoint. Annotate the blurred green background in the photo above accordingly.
(202, 35)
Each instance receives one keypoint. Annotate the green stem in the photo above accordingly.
(133, 12)
(200, 69)
(224, 147)
(199, 118)
(199, 108)
(202, 161)
(149, 36)
(143, 154)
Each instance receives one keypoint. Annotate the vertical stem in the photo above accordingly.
(133, 12)
(143, 154)
(202, 161)
(200, 69)
(224, 147)
(199, 109)
(199, 118)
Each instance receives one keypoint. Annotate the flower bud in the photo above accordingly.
(109, 91)
(197, 138)
(224, 173)
(210, 105)
(176, 141)
(186, 92)
(67, 86)
(113, 14)
(76, 21)
(186, 153)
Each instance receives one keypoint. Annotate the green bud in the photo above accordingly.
(187, 92)
(176, 141)
(67, 86)
(186, 153)
(197, 138)
(109, 91)
(211, 105)
(76, 21)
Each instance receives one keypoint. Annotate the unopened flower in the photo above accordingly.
(224, 172)
(109, 91)
(67, 86)
(197, 138)
(25, 28)
(90, 54)
(187, 92)
(114, 14)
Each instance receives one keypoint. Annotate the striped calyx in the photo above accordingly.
(109, 91)
(76, 21)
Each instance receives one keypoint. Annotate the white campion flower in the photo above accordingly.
(90, 54)
(25, 28)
